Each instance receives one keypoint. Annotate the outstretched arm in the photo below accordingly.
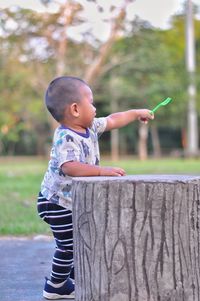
(121, 119)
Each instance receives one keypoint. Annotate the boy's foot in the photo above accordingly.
(72, 273)
(64, 290)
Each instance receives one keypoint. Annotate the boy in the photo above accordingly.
(75, 153)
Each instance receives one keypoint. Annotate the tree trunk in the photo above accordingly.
(142, 144)
(114, 145)
(114, 133)
(136, 238)
(155, 141)
(67, 13)
(94, 70)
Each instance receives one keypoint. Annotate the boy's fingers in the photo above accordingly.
(144, 120)
(121, 172)
(118, 171)
(151, 114)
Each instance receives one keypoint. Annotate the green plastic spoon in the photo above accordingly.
(163, 103)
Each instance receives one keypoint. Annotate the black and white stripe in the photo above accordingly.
(60, 221)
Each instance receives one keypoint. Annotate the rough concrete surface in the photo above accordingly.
(137, 238)
(24, 263)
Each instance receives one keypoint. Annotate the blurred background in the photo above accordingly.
(133, 54)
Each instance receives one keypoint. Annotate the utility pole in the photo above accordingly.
(192, 134)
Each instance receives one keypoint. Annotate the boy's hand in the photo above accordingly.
(79, 169)
(144, 115)
(111, 171)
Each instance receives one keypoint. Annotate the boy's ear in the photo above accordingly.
(74, 109)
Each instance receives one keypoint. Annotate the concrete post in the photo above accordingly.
(136, 238)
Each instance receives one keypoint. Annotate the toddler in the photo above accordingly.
(74, 153)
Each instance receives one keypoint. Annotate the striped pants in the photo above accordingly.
(60, 221)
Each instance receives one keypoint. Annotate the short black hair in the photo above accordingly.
(62, 91)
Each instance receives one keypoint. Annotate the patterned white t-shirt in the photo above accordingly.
(69, 145)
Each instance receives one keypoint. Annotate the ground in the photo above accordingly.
(24, 264)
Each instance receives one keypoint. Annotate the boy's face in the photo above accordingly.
(87, 111)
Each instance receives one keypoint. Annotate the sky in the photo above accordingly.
(157, 12)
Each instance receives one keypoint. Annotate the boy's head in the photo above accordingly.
(63, 91)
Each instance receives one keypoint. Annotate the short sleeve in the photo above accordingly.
(66, 150)
(99, 125)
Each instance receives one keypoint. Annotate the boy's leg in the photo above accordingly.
(62, 228)
(60, 221)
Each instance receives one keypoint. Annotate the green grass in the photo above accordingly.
(162, 166)
(20, 182)
(19, 186)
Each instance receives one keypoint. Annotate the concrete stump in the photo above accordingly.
(136, 238)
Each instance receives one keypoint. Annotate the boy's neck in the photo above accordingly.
(75, 128)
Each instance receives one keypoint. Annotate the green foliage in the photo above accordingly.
(150, 74)
(145, 66)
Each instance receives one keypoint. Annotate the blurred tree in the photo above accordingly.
(144, 76)
(175, 38)
(43, 38)
(151, 65)
(20, 101)
(136, 66)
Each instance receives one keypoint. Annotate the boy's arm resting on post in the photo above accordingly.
(78, 169)
(121, 119)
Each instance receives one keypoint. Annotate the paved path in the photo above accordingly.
(24, 263)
